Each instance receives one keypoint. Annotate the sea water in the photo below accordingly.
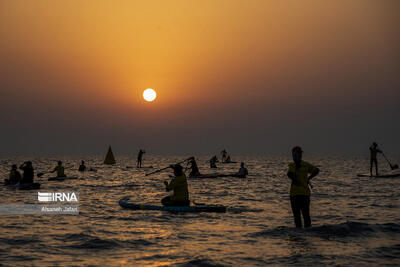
(354, 220)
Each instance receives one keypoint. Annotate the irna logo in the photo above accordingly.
(58, 197)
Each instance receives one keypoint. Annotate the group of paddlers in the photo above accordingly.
(300, 173)
(28, 175)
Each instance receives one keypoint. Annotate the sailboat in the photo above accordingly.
(109, 160)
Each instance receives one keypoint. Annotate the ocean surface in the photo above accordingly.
(355, 221)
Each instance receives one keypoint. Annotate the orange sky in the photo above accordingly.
(98, 56)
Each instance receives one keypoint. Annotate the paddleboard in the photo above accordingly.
(232, 175)
(28, 186)
(388, 175)
(7, 182)
(201, 176)
(22, 186)
(128, 204)
(230, 162)
(146, 167)
(61, 178)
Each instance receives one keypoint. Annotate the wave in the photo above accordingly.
(237, 210)
(85, 241)
(200, 262)
(342, 230)
(96, 243)
(19, 241)
(386, 252)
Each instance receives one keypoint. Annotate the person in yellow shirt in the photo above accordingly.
(300, 172)
(14, 177)
(59, 169)
(179, 185)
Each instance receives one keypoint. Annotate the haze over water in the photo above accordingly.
(254, 77)
(355, 220)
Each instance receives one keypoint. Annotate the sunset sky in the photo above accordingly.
(254, 77)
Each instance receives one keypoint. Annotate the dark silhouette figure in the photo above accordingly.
(59, 169)
(228, 159)
(300, 172)
(140, 158)
(243, 172)
(180, 187)
(27, 176)
(194, 169)
(373, 159)
(213, 162)
(14, 177)
(82, 167)
(109, 160)
(223, 153)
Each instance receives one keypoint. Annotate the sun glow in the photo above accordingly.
(149, 95)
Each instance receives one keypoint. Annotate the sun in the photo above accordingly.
(149, 95)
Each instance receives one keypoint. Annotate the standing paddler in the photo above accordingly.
(374, 150)
(140, 158)
(300, 172)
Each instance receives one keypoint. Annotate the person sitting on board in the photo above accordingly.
(223, 152)
(179, 186)
(374, 152)
(140, 158)
(59, 169)
(14, 177)
(194, 169)
(299, 172)
(242, 173)
(213, 162)
(27, 176)
(228, 159)
(82, 167)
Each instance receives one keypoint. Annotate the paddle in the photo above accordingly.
(40, 174)
(393, 167)
(160, 170)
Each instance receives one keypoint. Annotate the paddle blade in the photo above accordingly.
(395, 166)
(40, 174)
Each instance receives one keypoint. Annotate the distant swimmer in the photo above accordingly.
(82, 167)
(243, 172)
(140, 158)
(213, 162)
(193, 166)
(300, 172)
(14, 177)
(223, 153)
(180, 189)
(59, 169)
(27, 176)
(373, 160)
